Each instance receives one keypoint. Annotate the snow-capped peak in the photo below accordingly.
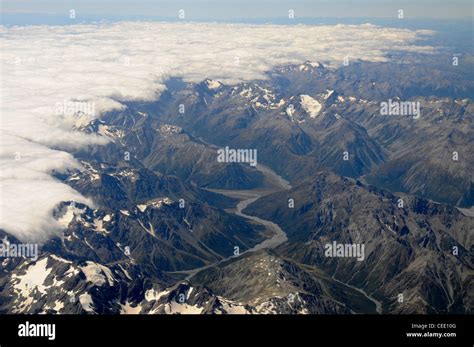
(308, 65)
(212, 84)
(157, 203)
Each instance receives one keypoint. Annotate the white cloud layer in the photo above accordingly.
(43, 67)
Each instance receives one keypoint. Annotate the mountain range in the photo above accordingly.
(173, 230)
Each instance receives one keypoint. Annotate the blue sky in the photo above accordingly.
(225, 10)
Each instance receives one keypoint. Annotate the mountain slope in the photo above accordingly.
(408, 250)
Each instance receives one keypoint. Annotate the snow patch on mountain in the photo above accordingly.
(129, 308)
(182, 308)
(170, 129)
(310, 105)
(97, 274)
(328, 94)
(86, 302)
(32, 279)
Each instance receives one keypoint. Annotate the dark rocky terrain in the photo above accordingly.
(166, 234)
